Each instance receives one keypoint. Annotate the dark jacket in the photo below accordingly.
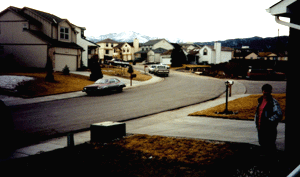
(271, 114)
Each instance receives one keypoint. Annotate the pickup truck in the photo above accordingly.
(118, 62)
(161, 70)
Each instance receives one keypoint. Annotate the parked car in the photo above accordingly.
(103, 85)
(151, 68)
(118, 62)
(265, 74)
(161, 70)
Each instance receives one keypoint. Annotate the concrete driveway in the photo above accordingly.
(177, 123)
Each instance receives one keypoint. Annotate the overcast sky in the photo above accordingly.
(189, 20)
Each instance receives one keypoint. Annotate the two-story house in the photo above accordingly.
(28, 37)
(215, 54)
(126, 50)
(90, 49)
(106, 50)
(151, 45)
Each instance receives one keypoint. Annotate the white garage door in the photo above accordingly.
(62, 60)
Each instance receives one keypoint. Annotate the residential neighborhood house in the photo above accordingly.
(152, 45)
(106, 49)
(215, 54)
(126, 50)
(154, 55)
(90, 49)
(249, 54)
(28, 37)
(121, 50)
(166, 57)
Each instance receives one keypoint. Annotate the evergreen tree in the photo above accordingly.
(96, 72)
(177, 56)
(49, 69)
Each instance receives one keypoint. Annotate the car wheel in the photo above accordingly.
(120, 89)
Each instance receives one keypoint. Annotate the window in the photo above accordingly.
(25, 26)
(106, 51)
(205, 52)
(106, 44)
(64, 33)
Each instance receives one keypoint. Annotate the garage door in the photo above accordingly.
(62, 60)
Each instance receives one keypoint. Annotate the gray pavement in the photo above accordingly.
(170, 123)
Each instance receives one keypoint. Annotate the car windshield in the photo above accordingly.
(101, 81)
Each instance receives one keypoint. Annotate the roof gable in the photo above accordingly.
(108, 40)
(47, 16)
(152, 42)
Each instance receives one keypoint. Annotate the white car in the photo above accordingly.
(152, 68)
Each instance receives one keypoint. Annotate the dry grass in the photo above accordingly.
(62, 84)
(137, 155)
(245, 107)
(65, 83)
(122, 72)
(184, 150)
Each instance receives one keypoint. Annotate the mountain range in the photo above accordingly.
(270, 44)
(128, 37)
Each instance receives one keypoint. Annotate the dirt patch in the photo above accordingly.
(245, 107)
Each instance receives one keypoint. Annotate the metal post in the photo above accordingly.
(70, 138)
(226, 109)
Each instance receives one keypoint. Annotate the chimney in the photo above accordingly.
(217, 47)
(136, 45)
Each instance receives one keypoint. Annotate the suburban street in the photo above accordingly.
(42, 120)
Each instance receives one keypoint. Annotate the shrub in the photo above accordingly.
(66, 70)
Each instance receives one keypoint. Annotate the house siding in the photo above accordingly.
(25, 49)
(27, 55)
(46, 26)
(163, 44)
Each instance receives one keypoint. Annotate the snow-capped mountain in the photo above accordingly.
(126, 37)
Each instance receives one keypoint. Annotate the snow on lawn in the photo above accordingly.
(10, 82)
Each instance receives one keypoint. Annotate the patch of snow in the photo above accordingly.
(10, 82)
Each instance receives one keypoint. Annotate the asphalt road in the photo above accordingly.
(43, 120)
(254, 86)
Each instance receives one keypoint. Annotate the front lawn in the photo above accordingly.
(245, 107)
(63, 83)
(122, 72)
(40, 87)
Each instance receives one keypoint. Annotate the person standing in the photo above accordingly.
(268, 115)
